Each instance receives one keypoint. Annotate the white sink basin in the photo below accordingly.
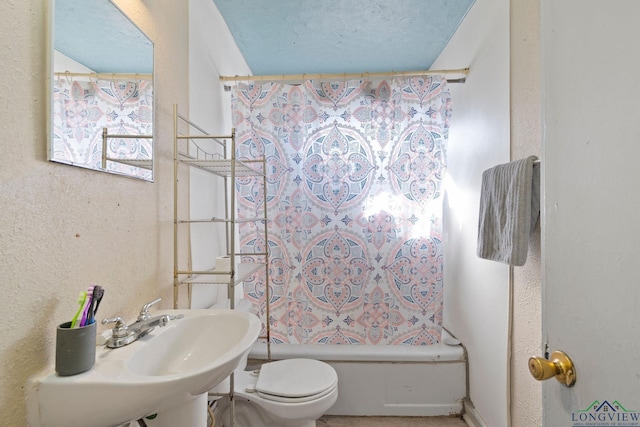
(168, 368)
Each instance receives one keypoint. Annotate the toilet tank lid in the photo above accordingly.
(296, 378)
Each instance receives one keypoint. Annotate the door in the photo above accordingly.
(591, 216)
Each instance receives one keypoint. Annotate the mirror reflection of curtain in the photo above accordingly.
(81, 109)
(354, 195)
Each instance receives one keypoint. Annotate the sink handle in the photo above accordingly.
(120, 329)
(144, 313)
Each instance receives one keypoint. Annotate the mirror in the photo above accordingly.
(101, 89)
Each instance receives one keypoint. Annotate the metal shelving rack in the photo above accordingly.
(188, 152)
(138, 163)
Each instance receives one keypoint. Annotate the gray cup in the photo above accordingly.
(75, 349)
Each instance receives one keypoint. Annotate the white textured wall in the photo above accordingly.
(526, 116)
(213, 52)
(64, 228)
(476, 290)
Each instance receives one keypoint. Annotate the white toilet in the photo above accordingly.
(285, 393)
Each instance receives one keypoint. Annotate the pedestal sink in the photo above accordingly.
(167, 373)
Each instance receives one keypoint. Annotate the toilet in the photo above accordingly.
(284, 393)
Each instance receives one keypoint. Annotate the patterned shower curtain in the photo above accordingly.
(354, 197)
(82, 108)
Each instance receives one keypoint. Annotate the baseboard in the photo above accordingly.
(471, 416)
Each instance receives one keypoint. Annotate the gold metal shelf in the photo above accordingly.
(192, 221)
(222, 167)
(143, 164)
(138, 163)
(217, 155)
(243, 271)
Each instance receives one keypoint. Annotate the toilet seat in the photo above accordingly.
(295, 380)
(303, 399)
(255, 408)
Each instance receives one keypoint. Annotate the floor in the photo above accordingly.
(335, 421)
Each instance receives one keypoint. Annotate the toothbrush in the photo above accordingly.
(99, 290)
(82, 297)
(87, 304)
(94, 300)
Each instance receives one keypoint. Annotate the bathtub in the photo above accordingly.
(386, 380)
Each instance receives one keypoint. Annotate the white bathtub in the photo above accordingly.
(386, 380)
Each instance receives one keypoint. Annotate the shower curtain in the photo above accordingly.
(354, 198)
(82, 108)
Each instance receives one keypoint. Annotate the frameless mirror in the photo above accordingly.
(101, 89)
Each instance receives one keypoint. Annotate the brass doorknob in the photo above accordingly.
(559, 366)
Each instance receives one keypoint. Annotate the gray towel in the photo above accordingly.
(509, 208)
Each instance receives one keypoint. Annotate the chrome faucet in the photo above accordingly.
(144, 312)
(123, 335)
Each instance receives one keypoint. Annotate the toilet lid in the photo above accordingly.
(296, 378)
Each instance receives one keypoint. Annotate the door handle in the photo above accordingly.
(559, 366)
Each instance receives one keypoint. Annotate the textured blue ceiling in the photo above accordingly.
(96, 34)
(338, 36)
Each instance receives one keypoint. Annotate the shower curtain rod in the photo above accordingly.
(106, 76)
(281, 77)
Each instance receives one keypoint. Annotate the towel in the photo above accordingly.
(509, 209)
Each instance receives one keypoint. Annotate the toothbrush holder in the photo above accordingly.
(75, 349)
